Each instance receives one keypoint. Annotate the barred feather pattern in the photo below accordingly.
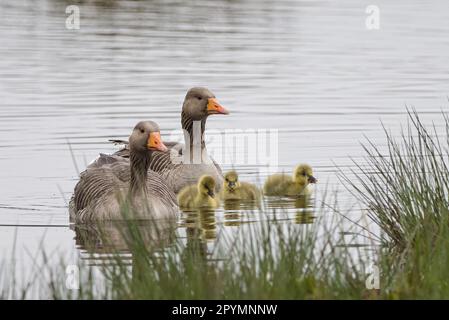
(102, 190)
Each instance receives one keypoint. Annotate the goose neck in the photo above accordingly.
(139, 164)
(193, 130)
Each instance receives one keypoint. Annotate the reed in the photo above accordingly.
(406, 193)
(406, 188)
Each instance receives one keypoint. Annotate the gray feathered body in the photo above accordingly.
(103, 190)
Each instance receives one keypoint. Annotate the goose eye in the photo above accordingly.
(142, 131)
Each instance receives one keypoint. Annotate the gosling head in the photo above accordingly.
(146, 137)
(199, 103)
(206, 186)
(303, 175)
(231, 182)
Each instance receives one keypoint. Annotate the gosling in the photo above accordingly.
(233, 189)
(201, 195)
(290, 186)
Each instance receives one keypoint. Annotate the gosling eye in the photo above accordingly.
(142, 131)
(199, 98)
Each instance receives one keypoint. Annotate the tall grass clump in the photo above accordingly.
(405, 188)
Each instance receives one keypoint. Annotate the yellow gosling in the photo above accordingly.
(233, 189)
(292, 186)
(201, 195)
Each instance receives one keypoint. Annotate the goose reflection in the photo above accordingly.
(102, 239)
(237, 212)
(200, 227)
(232, 217)
(124, 244)
(301, 206)
(236, 204)
(200, 223)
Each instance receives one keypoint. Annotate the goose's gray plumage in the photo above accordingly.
(110, 182)
(198, 104)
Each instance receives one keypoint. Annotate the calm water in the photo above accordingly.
(310, 69)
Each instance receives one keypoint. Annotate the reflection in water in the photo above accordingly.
(123, 245)
(241, 204)
(200, 224)
(234, 210)
(100, 240)
(232, 218)
(302, 207)
(304, 218)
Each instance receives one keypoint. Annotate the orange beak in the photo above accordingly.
(155, 142)
(213, 107)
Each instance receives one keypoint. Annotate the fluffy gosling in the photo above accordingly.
(233, 189)
(201, 195)
(292, 186)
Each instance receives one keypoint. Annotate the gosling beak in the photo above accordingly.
(213, 107)
(231, 186)
(210, 193)
(155, 142)
(312, 179)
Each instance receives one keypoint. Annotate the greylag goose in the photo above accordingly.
(233, 189)
(103, 190)
(292, 186)
(184, 166)
(201, 195)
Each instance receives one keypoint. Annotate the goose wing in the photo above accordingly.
(97, 185)
(158, 189)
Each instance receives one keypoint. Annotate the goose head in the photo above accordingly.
(303, 175)
(231, 182)
(200, 102)
(206, 186)
(146, 137)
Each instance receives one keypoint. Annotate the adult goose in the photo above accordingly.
(183, 166)
(102, 191)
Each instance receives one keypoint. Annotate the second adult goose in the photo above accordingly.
(103, 190)
(185, 164)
